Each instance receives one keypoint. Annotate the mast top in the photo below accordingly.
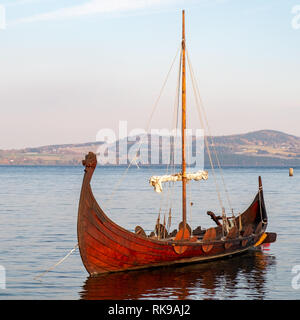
(183, 26)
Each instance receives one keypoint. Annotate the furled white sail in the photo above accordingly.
(156, 181)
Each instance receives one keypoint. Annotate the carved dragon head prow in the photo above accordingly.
(90, 160)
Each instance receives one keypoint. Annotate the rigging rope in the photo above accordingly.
(209, 132)
(189, 189)
(142, 139)
(205, 138)
(199, 105)
(171, 185)
(197, 96)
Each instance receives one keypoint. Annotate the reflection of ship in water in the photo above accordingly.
(239, 277)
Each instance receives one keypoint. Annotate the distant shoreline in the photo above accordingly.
(264, 148)
(142, 166)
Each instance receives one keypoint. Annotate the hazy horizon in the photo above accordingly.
(70, 68)
(95, 141)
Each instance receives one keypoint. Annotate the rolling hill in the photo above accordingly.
(259, 148)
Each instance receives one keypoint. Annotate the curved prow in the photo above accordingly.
(263, 212)
(259, 182)
(86, 202)
(256, 214)
(90, 164)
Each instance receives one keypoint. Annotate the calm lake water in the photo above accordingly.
(38, 214)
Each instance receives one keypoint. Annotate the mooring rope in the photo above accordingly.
(57, 263)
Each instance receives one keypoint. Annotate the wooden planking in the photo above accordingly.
(107, 247)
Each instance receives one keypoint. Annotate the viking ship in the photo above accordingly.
(107, 247)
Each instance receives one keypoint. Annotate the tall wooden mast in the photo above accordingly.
(183, 87)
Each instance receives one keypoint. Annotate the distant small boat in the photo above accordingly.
(107, 247)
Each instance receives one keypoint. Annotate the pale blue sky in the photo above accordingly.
(70, 68)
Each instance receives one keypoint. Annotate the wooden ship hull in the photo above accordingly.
(182, 281)
(106, 247)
